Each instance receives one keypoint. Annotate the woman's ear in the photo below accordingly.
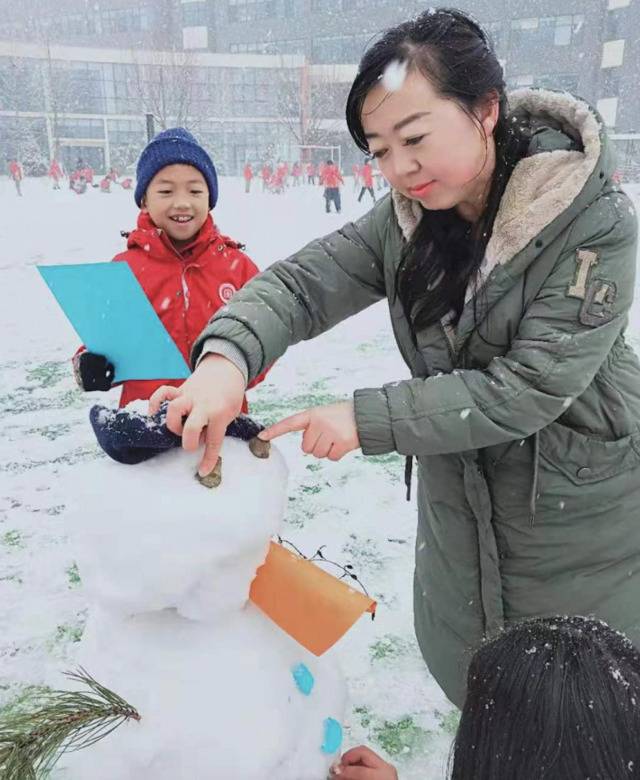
(490, 112)
(143, 205)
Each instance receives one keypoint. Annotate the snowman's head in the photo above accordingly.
(150, 536)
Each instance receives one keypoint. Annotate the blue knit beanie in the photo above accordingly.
(175, 146)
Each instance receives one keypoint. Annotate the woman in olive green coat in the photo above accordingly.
(508, 259)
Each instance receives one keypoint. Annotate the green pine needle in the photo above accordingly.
(31, 742)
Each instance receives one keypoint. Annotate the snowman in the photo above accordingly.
(167, 564)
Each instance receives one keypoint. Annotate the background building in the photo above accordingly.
(258, 77)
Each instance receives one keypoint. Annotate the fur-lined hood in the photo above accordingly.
(543, 185)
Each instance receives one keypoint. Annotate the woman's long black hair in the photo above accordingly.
(554, 698)
(445, 251)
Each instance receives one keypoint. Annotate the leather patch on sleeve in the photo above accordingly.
(597, 308)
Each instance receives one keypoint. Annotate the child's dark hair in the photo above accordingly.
(456, 56)
(551, 699)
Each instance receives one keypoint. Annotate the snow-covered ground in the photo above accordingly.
(356, 507)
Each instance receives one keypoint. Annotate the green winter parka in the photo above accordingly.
(524, 418)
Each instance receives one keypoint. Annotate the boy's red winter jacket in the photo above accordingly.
(367, 175)
(331, 177)
(185, 288)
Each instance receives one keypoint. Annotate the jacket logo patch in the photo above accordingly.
(226, 292)
(597, 308)
(586, 259)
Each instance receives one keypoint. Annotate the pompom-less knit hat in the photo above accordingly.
(130, 437)
(175, 146)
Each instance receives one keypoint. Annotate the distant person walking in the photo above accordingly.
(331, 180)
(55, 173)
(248, 176)
(265, 175)
(366, 175)
(16, 174)
(311, 173)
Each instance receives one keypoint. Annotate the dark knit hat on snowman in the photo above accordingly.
(175, 146)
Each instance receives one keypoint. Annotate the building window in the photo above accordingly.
(195, 37)
(550, 30)
(293, 46)
(339, 48)
(608, 108)
(194, 14)
(125, 20)
(567, 82)
(612, 54)
(250, 10)
(80, 128)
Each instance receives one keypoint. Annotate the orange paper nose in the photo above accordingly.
(312, 606)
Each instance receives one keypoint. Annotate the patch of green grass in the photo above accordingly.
(26, 697)
(78, 455)
(66, 633)
(400, 736)
(449, 721)
(313, 467)
(392, 464)
(269, 407)
(51, 432)
(22, 400)
(364, 715)
(12, 578)
(49, 373)
(388, 646)
(364, 552)
(13, 539)
(310, 490)
(73, 575)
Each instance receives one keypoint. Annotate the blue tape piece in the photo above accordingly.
(332, 736)
(303, 679)
(112, 315)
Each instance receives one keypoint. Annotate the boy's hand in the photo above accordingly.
(329, 431)
(209, 400)
(360, 763)
(92, 371)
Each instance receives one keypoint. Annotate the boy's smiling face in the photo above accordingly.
(177, 200)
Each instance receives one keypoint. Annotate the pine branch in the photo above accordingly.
(31, 742)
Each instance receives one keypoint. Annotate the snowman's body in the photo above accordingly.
(168, 564)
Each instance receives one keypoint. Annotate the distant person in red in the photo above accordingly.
(265, 175)
(126, 184)
(296, 172)
(248, 176)
(366, 176)
(16, 174)
(186, 267)
(278, 180)
(105, 184)
(331, 181)
(55, 173)
(311, 173)
(77, 181)
(355, 172)
(88, 174)
(113, 174)
(283, 172)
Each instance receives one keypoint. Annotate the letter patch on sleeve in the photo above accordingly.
(597, 308)
(586, 259)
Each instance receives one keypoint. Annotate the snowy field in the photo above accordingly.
(356, 507)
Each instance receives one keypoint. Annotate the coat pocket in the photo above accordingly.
(585, 459)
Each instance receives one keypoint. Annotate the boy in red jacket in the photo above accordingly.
(331, 179)
(186, 267)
